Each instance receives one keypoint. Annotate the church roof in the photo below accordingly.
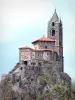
(44, 39)
(25, 47)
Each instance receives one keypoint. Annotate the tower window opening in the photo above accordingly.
(60, 43)
(53, 32)
(53, 24)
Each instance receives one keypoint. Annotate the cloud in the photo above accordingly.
(15, 14)
(18, 12)
(4, 35)
(69, 48)
(69, 35)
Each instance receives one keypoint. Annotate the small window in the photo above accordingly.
(39, 64)
(53, 32)
(45, 47)
(60, 43)
(21, 68)
(53, 24)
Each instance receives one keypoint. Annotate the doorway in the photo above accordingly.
(25, 62)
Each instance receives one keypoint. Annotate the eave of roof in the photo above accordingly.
(44, 39)
(25, 47)
(39, 50)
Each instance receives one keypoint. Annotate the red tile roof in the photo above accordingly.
(25, 47)
(44, 39)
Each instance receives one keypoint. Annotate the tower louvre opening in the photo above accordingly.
(53, 32)
(53, 24)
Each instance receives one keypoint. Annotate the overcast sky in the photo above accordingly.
(23, 21)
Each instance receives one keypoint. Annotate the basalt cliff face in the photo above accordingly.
(41, 83)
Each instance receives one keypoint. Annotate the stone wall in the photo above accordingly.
(44, 45)
(24, 54)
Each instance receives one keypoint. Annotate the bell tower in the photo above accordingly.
(55, 32)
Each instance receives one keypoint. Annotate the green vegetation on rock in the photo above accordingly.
(43, 96)
(10, 84)
(62, 91)
(44, 78)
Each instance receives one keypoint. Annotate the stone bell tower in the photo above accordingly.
(55, 32)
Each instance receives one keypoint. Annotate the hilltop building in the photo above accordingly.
(41, 68)
(46, 48)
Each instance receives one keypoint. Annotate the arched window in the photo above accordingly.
(53, 24)
(53, 32)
